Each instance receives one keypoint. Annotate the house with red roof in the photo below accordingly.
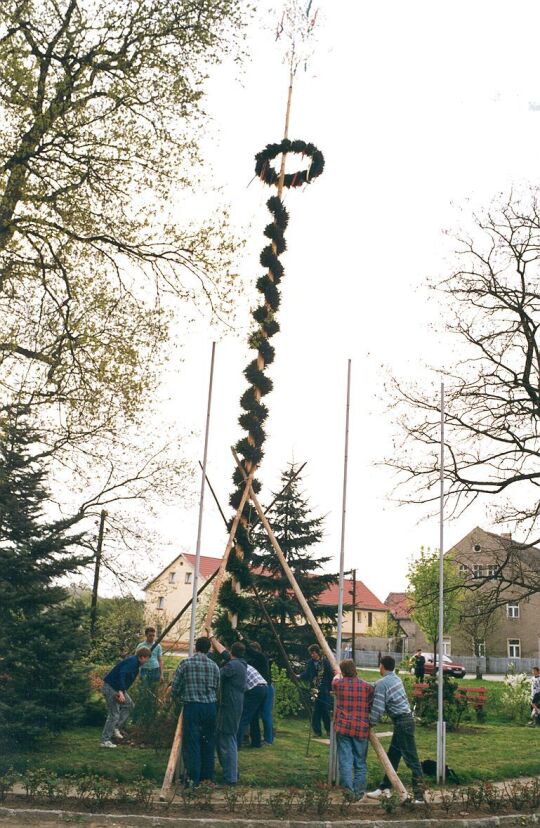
(168, 592)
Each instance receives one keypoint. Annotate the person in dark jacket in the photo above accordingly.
(232, 685)
(319, 674)
(119, 703)
(419, 665)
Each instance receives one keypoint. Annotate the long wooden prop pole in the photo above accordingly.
(175, 749)
(173, 760)
(232, 535)
(396, 782)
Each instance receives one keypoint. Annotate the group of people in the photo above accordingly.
(221, 704)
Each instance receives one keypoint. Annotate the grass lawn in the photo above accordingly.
(478, 752)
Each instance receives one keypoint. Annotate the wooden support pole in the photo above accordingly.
(381, 755)
(173, 760)
(232, 534)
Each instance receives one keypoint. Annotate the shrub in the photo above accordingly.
(515, 696)
(287, 701)
(455, 704)
(7, 780)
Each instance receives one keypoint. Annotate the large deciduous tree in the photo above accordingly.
(492, 419)
(100, 103)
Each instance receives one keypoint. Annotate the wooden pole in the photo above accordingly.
(201, 507)
(93, 600)
(232, 534)
(383, 758)
(173, 760)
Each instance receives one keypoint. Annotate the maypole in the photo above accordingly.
(297, 26)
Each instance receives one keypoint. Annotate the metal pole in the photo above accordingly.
(332, 772)
(440, 687)
(93, 601)
(343, 516)
(353, 653)
(201, 504)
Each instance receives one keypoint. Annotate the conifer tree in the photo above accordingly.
(297, 531)
(42, 686)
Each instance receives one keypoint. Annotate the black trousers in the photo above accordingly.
(403, 744)
(321, 711)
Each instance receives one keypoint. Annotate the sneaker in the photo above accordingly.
(379, 792)
(108, 744)
(117, 734)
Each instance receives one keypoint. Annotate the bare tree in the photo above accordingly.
(492, 427)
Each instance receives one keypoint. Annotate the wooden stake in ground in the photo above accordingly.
(306, 609)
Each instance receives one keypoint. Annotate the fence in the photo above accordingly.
(489, 664)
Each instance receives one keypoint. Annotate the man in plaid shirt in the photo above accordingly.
(196, 683)
(351, 724)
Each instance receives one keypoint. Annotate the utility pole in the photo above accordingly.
(353, 654)
(93, 602)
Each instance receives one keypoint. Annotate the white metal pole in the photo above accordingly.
(333, 747)
(343, 519)
(440, 687)
(201, 505)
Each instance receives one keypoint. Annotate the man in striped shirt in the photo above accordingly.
(254, 699)
(390, 697)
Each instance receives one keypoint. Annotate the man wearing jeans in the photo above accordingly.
(196, 684)
(351, 724)
(254, 699)
(257, 659)
(232, 685)
(390, 697)
(119, 702)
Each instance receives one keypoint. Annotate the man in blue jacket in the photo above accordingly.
(119, 702)
(319, 674)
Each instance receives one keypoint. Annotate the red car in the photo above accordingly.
(450, 668)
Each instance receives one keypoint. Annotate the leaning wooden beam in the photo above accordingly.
(381, 755)
(175, 749)
(165, 792)
(232, 535)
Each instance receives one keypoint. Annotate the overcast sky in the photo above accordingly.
(423, 111)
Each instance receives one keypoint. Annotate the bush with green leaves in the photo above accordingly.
(515, 697)
(455, 703)
(288, 701)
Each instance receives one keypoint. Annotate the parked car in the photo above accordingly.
(450, 667)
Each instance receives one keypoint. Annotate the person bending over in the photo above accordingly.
(119, 703)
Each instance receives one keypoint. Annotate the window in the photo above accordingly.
(370, 619)
(172, 577)
(514, 648)
(492, 570)
(463, 569)
(187, 579)
(477, 571)
(481, 648)
(512, 609)
(359, 617)
(161, 602)
(447, 646)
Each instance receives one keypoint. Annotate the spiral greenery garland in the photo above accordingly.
(255, 412)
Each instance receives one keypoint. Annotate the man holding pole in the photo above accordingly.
(232, 685)
(196, 683)
(390, 697)
(319, 674)
(351, 724)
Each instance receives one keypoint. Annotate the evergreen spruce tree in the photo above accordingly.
(42, 638)
(297, 531)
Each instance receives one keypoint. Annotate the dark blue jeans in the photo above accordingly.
(253, 706)
(199, 740)
(403, 744)
(321, 710)
(267, 715)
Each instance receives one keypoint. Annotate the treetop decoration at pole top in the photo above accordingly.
(267, 173)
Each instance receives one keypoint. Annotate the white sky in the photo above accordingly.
(421, 110)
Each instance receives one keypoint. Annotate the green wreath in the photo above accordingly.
(266, 172)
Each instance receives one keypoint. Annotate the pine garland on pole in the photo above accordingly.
(255, 412)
